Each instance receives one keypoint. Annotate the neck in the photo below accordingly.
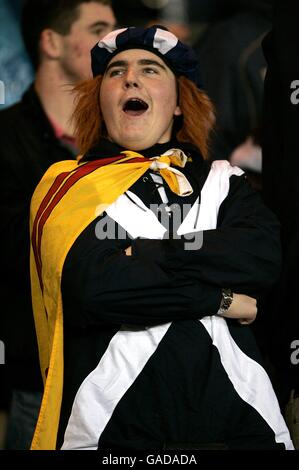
(55, 94)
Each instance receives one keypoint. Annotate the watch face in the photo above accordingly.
(227, 299)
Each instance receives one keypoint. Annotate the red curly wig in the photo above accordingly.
(197, 109)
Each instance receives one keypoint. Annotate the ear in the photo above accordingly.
(50, 43)
(177, 111)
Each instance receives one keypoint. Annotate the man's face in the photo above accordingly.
(94, 22)
(138, 99)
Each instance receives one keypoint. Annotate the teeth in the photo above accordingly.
(137, 99)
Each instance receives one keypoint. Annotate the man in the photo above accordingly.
(34, 134)
(145, 263)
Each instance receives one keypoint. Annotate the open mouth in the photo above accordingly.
(135, 107)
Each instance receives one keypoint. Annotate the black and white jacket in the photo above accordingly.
(148, 363)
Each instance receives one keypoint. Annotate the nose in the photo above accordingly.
(131, 84)
(131, 80)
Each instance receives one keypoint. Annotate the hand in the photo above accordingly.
(128, 251)
(243, 308)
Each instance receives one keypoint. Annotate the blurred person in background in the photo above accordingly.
(36, 132)
(16, 71)
(174, 16)
(233, 73)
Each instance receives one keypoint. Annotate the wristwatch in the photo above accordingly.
(227, 298)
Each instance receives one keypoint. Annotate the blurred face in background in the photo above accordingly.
(94, 22)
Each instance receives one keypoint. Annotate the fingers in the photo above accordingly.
(247, 321)
(243, 308)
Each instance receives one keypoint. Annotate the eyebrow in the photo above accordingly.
(124, 63)
(102, 24)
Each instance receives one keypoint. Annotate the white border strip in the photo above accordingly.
(249, 379)
(128, 352)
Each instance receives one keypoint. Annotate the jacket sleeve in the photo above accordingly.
(15, 244)
(100, 284)
(242, 253)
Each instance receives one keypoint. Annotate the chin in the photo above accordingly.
(136, 143)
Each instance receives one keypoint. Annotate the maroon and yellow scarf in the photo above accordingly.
(68, 198)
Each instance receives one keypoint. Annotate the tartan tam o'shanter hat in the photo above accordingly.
(179, 57)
